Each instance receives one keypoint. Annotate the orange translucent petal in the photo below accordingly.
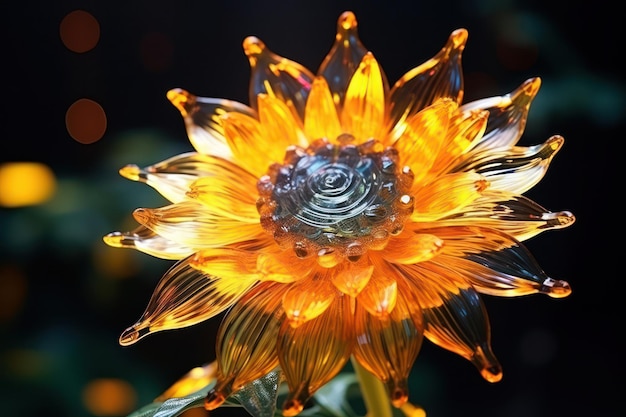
(183, 297)
(447, 195)
(202, 120)
(313, 353)
(440, 76)
(387, 347)
(512, 270)
(351, 277)
(281, 129)
(277, 77)
(461, 326)
(464, 130)
(146, 241)
(308, 298)
(229, 263)
(363, 110)
(249, 143)
(411, 248)
(498, 281)
(515, 169)
(193, 381)
(507, 115)
(343, 58)
(320, 116)
(172, 177)
(194, 225)
(420, 138)
(381, 292)
(513, 214)
(232, 194)
(246, 341)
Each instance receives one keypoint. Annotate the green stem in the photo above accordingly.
(374, 392)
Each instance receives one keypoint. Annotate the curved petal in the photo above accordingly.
(461, 326)
(440, 76)
(351, 277)
(388, 346)
(232, 194)
(343, 58)
(515, 169)
(277, 77)
(504, 266)
(513, 214)
(202, 120)
(146, 241)
(507, 115)
(380, 295)
(363, 112)
(250, 144)
(308, 298)
(313, 353)
(420, 138)
(411, 248)
(320, 116)
(194, 225)
(183, 297)
(281, 128)
(246, 341)
(447, 195)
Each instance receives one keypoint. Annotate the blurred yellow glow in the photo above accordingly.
(115, 264)
(79, 31)
(86, 121)
(25, 184)
(109, 397)
(191, 382)
(12, 291)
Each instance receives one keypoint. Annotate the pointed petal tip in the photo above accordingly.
(114, 239)
(214, 399)
(346, 21)
(487, 364)
(181, 99)
(134, 333)
(253, 46)
(132, 172)
(556, 288)
(458, 38)
(292, 407)
(529, 87)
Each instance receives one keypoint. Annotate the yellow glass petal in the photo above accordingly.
(194, 380)
(183, 297)
(145, 240)
(420, 138)
(320, 116)
(308, 298)
(464, 131)
(232, 194)
(363, 112)
(248, 142)
(194, 225)
(351, 277)
(202, 120)
(411, 248)
(387, 347)
(246, 341)
(230, 264)
(513, 214)
(313, 353)
(381, 292)
(507, 115)
(461, 326)
(283, 266)
(440, 76)
(447, 195)
(343, 58)
(516, 169)
(281, 129)
(277, 77)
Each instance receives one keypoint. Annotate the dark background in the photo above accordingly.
(560, 356)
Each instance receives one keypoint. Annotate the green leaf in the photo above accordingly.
(259, 396)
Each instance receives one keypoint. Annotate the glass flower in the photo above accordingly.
(337, 216)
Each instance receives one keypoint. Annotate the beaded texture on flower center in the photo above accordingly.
(335, 201)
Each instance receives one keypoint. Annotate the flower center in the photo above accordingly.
(335, 201)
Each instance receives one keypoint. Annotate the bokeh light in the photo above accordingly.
(25, 184)
(79, 31)
(109, 397)
(13, 289)
(86, 121)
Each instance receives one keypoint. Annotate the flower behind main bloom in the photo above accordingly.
(337, 216)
